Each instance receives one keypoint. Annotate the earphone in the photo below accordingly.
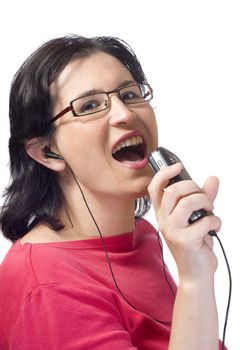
(54, 155)
(109, 262)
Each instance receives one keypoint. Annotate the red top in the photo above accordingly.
(61, 295)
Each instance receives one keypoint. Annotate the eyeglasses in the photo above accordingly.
(98, 102)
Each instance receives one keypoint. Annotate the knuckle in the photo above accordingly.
(207, 220)
(211, 222)
(172, 193)
(186, 202)
(218, 222)
(170, 190)
(208, 205)
(196, 201)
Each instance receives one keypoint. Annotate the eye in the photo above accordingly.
(89, 106)
(129, 95)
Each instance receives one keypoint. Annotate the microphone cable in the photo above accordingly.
(229, 293)
(164, 269)
(214, 234)
(108, 259)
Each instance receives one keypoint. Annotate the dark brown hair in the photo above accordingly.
(34, 193)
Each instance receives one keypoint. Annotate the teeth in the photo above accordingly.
(129, 142)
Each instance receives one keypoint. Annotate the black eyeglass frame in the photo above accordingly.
(71, 108)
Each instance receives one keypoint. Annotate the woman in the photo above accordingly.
(86, 271)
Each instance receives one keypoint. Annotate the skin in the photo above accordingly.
(86, 145)
(111, 188)
(195, 320)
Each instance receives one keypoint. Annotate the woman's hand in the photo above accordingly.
(190, 245)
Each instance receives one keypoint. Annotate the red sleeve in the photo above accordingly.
(55, 317)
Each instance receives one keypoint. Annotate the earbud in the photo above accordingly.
(54, 155)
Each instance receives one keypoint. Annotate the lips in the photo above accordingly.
(131, 150)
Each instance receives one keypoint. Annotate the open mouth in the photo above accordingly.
(133, 150)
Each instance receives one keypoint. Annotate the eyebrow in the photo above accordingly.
(125, 83)
(96, 91)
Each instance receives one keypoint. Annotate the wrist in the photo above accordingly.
(197, 284)
(196, 268)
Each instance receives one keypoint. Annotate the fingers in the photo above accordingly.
(211, 187)
(176, 192)
(175, 204)
(169, 197)
(190, 244)
(187, 205)
(195, 232)
(160, 181)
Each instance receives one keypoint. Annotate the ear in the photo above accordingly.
(36, 149)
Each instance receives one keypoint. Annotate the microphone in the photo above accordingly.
(161, 158)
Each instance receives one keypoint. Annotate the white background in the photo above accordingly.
(190, 53)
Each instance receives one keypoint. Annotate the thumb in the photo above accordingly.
(211, 187)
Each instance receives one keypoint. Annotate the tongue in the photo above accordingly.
(126, 156)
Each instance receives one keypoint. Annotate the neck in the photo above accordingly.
(112, 215)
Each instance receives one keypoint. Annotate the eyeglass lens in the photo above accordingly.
(94, 103)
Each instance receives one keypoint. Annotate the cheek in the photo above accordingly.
(150, 123)
(73, 139)
(81, 148)
(154, 129)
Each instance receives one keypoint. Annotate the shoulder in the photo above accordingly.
(17, 280)
(40, 233)
(17, 277)
(25, 266)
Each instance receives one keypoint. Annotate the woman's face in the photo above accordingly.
(87, 143)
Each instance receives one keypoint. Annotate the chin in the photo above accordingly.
(140, 189)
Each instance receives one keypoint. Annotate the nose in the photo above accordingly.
(120, 112)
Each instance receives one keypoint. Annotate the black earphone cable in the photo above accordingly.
(164, 266)
(108, 259)
(229, 293)
(230, 283)
(164, 269)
